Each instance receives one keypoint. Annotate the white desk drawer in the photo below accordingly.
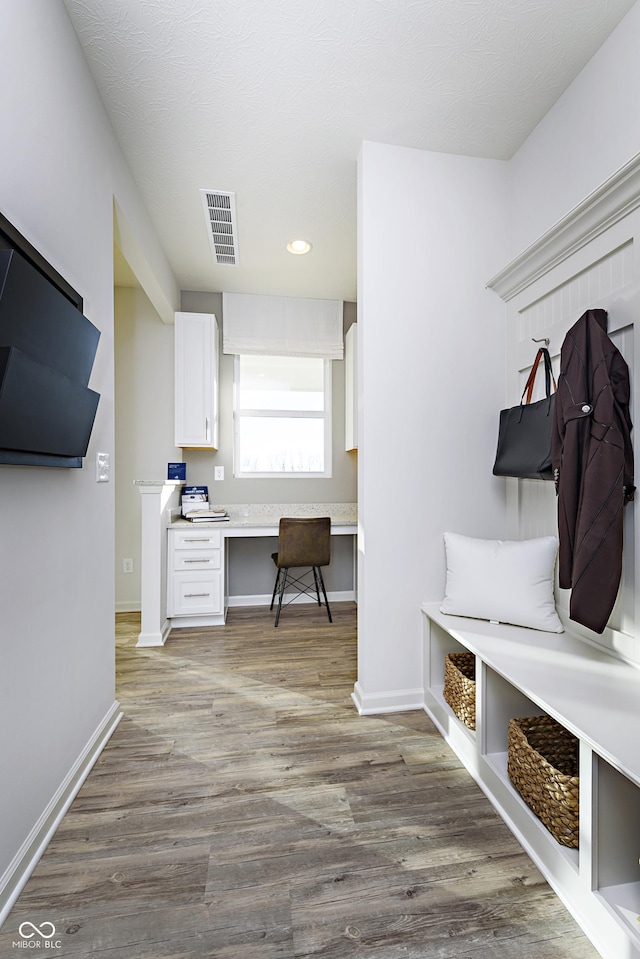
(196, 538)
(196, 593)
(195, 559)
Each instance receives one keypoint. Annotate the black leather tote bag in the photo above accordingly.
(524, 434)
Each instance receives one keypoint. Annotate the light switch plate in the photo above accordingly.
(103, 467)
(218, 472)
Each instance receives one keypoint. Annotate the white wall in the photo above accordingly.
(144, 392)
(431, 372)
(591, 131)
(59, 170)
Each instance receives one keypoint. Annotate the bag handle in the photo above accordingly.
(543, 353)
(528, 386)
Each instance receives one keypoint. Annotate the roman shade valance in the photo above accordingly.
(281, 326)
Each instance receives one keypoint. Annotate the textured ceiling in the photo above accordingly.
(271, 99)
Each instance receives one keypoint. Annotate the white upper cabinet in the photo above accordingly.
(351, 388)
(197, 357)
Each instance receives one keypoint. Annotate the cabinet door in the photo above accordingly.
(351, 388)
(196, 593)
(196, 380)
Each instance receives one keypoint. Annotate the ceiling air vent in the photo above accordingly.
(220, 211)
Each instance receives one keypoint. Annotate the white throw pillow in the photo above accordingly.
(508, 581)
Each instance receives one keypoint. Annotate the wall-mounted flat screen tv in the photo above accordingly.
(47, 349)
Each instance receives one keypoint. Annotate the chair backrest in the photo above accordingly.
(304, 542)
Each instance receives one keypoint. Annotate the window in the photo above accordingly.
(282, 416)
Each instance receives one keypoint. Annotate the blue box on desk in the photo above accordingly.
(177, 471)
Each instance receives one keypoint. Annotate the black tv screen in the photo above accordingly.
(47, 349)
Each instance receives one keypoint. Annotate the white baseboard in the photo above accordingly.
(188, 622)
(264, 599)
(128, 607)
(394, 701)
(26, 859)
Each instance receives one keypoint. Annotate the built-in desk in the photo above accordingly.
(174, 550)
(198, 559)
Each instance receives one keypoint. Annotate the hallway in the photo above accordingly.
(244, 810)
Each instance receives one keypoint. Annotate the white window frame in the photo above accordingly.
(325, 415)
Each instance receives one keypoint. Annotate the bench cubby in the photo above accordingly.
(524, 672)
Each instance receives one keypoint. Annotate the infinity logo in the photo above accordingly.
(37, 930)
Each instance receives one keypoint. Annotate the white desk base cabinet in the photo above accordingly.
(195, 576)
(524, 672)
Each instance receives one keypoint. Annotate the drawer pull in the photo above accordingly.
(192, 595)
(197, 561)
(198, 539)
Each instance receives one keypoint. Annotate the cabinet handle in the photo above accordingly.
(198, 539)
(206, 427)
(197, 561)
(191, 595)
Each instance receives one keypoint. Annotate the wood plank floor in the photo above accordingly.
(243, 810)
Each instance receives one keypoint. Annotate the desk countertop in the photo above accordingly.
(267, 516)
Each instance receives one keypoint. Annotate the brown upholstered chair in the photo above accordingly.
(302, 542)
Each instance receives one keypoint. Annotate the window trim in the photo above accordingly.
(326, 415)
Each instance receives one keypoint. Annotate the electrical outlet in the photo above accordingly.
(127, 565)
(218, 472)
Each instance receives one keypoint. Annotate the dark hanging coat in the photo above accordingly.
(592, 459)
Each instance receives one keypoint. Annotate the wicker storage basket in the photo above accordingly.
(543, 767)
(460, 686)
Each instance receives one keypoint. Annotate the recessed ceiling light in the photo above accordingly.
(298, 247)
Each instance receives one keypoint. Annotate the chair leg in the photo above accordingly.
(324, 593)
(275, 588)
(283, 583)
(315, 579)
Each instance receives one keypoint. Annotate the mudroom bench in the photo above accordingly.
(524, 673)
